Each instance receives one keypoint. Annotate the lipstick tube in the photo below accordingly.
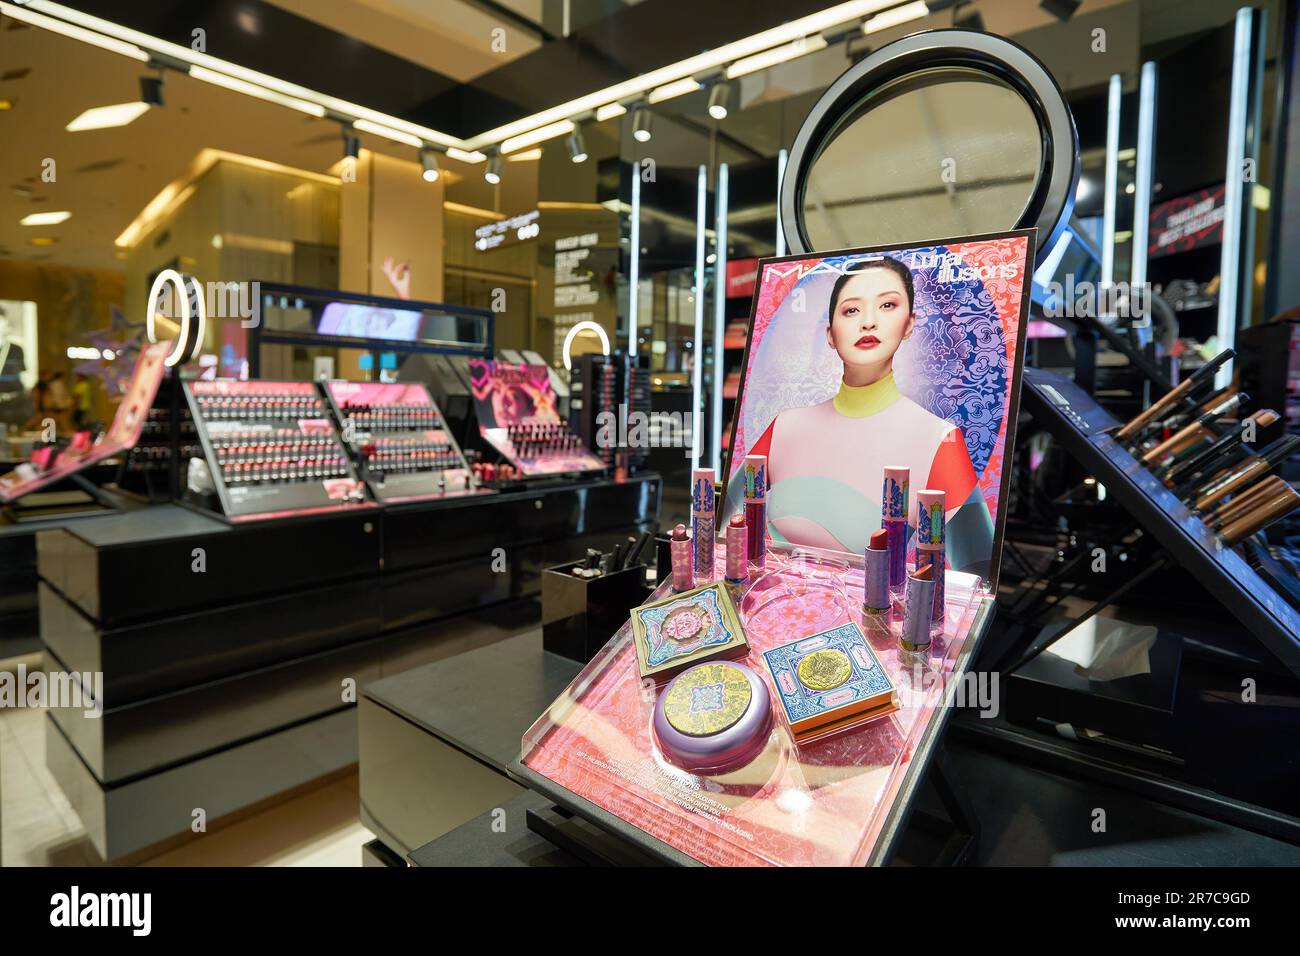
(917, 611)
(893, 519)
(683, 559)
(737, 550)
(702, 521)
(931, 542)
(755, 473)
(875, 575)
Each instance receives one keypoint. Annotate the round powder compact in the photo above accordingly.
(713, 717)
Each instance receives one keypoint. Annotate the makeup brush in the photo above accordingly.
(1272, 508)
(1250, 471)
(1170, 399)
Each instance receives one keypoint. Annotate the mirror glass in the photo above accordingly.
(941, 152)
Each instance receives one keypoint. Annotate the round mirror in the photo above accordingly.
(940, 134)
(944, 152)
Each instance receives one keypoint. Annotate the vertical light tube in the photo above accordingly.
(633, 281)
(1146, 157)
(1230, 285)
(697, 420)
(780, 180)
(1112, 181)
(719, 319)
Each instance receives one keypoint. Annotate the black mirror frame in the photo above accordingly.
(1050, 206)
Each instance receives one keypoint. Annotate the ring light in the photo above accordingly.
(585, 326)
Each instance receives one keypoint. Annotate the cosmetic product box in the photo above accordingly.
(687, 628)
(829, 682)
(580, 615)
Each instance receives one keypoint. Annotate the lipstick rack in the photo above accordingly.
(272, 449)
(399, 440)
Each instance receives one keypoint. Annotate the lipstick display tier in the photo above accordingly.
(543, 447)
(399, 440)
(272, 449)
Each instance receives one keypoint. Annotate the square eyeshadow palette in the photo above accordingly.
(685, 629)
(829, 682)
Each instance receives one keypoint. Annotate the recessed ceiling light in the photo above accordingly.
(6, 104)
(45, 218)
(104, 117)
(42, 241)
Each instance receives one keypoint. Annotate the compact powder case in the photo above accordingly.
(713, 717)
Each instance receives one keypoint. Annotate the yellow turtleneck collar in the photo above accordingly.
(859, 401)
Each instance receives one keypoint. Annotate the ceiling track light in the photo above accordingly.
(429, 162)
(351, 146)
(493, 171)
(1061, 9)
(577, 148)
(720, 99)
(641, 123)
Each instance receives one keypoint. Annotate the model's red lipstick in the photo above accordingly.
(867, 342)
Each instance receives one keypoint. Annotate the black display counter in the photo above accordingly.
(435, 741)
(232, 653)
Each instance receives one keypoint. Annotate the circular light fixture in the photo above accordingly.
(577, 148)
(641, 123)
(429, 160)
(719, 97)
(493, 171)
(938, 66)
(585, 326)
(193, 317)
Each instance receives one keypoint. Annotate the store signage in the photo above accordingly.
(516, 229)
(1188, 222)
(742, 275)
(573, 274)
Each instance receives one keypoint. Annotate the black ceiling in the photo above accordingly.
(625, 43)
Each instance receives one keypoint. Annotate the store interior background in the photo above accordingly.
(227, 187)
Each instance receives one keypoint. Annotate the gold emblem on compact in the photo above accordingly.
(708, 700)
(825, 669)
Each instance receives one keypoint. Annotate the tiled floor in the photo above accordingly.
(38, 827)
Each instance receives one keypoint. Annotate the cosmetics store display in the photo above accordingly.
(53, 462)
(518, 417)
(776, 700)
(399, 440)
(273, 449)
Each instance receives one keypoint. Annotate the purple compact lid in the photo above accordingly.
(713, 716)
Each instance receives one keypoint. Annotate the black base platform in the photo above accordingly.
(233, 655)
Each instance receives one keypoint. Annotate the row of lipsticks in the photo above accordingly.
(1184, 440)
(887, 585)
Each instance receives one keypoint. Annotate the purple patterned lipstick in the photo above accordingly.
(875, 579)
(930, 547)
(702, 521)
(737, 550)
(917, 616)
(755, 473)
(893, 519)
(683, 558)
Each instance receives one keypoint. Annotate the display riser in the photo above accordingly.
(415, 787)
(183, 685)
(140, 814)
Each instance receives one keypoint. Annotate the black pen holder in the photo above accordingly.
(580, 615)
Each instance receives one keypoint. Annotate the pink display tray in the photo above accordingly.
(819, 804)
